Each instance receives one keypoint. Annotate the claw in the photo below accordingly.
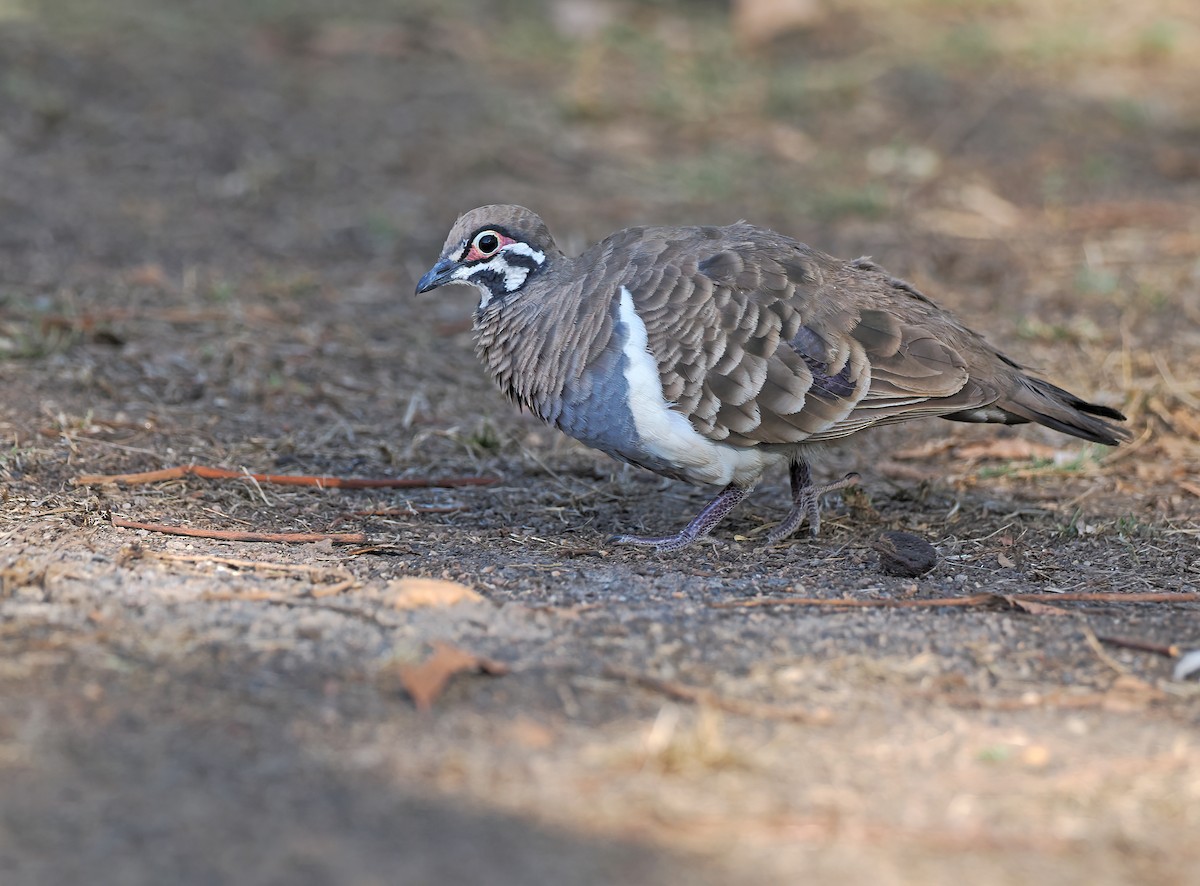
(806, 505)
(806, 502)
(703, 523)
(663, 545)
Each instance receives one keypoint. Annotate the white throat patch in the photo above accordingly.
(514, 274)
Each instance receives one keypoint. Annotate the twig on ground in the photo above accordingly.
(1023, 702)
(1129, 449)
(1171, 651)
(989, 599)
(134, 552)
(1173, 384)
(337, 538)
(1115, 597)
(334, 589)
(277, 599)
(247, 596)
(339, 578)
(408, 511)
(211, 473)
(702, 696)
(1094, 642)
(842, 603)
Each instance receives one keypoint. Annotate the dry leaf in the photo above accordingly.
(1000, 449)
(419, 593)
(927, 450)
(424, 682)
(898, 471)
(1006, 561)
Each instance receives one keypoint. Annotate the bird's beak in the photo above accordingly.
(437, 275)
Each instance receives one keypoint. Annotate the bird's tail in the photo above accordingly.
(1036, 400)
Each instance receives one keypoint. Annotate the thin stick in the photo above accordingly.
(973, 600)
(211, 473)
(256, 565)
(247, 596)
(338, 538)
(1173, 384)
(408, 511)
(334, 589)
(1112, 597)
(292, 602)
(343, 580)
(1053, 700)
(699, 695)
(1171, 651)
(1094, 642)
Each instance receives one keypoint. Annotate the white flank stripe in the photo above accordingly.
(665, 433)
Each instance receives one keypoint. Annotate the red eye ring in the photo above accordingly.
(485, 244)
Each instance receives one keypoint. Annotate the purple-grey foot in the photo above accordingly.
(703, 523)
(806, 502)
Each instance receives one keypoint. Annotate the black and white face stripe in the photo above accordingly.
(502, 274)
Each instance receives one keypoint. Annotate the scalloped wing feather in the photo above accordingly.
(760, 340)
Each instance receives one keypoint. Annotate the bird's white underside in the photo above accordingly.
(667, 434)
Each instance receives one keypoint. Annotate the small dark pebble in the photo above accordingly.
(902, 553)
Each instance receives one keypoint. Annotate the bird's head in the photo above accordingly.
(497, 249)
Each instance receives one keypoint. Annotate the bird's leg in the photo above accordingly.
(703, 523)
(806, 502)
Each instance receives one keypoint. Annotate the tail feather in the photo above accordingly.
(1036, 400)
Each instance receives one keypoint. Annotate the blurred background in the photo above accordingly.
(212, 217)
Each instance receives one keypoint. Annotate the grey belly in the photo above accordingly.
(596, 409)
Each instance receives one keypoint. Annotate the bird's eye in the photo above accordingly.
(487, 242)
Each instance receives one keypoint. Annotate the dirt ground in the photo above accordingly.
(212, 217)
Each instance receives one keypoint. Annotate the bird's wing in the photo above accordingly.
(759, 339)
